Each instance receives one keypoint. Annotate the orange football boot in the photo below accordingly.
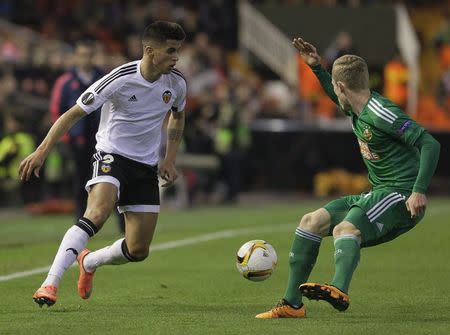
(283, 310)
(85, 279)
(45, 295)
(331, 294)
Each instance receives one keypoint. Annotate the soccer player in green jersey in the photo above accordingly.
(401, 158)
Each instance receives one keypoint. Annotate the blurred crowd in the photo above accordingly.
(222, 99)
(37, 40)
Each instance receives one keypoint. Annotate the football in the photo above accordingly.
(256, 260)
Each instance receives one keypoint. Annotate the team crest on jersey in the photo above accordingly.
(87, 98)
(167, 95)
(367, 133)
(106, 168)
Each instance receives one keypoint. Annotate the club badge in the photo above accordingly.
(367, 133)
(167, 95)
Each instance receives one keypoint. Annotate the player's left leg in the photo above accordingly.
(139, 230)
(377, 217)
(302, 257)
(347, 240)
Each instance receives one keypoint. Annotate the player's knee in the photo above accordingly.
(309, 222)
(98, 215)
(346, 228)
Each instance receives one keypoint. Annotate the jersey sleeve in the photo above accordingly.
(429, 155)
(180, 101)
(393, 121)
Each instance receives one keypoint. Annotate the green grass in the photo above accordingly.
(401, 287)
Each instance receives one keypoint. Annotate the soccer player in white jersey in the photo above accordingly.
(135, 98)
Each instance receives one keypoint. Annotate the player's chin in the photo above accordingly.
(170, 68)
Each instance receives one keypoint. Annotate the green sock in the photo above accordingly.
(346, 258)
(302, 258)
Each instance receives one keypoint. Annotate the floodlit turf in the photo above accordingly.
(399, 288)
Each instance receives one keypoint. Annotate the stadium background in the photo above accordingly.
(257, 125)
(241, 107)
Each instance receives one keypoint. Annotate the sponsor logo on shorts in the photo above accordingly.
(88, 98)
(105, 168)
(379, 225)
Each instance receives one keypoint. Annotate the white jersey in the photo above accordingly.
(133, 110)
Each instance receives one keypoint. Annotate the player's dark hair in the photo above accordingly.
(161, 31)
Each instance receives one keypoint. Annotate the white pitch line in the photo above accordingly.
(173, 244)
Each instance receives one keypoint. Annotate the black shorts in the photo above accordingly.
(137, 183)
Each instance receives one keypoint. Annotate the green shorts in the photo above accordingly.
(380, 215)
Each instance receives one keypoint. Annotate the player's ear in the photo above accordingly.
(341, 85)
(148, 50)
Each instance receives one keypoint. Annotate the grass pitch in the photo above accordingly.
(189, 284)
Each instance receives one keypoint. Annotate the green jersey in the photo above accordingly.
(386, 137)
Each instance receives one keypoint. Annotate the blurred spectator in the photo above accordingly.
(15, 145)
(444, 91)
(396, 76)
(231, 140)
(342, 45)
(81, 137)
(441, 41)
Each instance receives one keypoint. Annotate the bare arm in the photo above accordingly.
(175, 127)
(34, 162)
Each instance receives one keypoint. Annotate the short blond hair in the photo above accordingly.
(352, 71)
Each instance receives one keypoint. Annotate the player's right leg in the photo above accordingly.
(139, 231)
(101, 202)
(305, 248)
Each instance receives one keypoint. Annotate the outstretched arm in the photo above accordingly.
(33, 163)
(175, 127)
(309, 54)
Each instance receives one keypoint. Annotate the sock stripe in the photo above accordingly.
(347, 237)
(87, 226)
(308, 235)
(126, 252)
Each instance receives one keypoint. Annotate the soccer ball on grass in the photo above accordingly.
(256, 260)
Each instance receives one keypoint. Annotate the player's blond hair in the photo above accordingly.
(352, 71)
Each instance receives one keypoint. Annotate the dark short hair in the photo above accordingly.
(161, 31)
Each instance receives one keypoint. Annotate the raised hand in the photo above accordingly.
(307, 51)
